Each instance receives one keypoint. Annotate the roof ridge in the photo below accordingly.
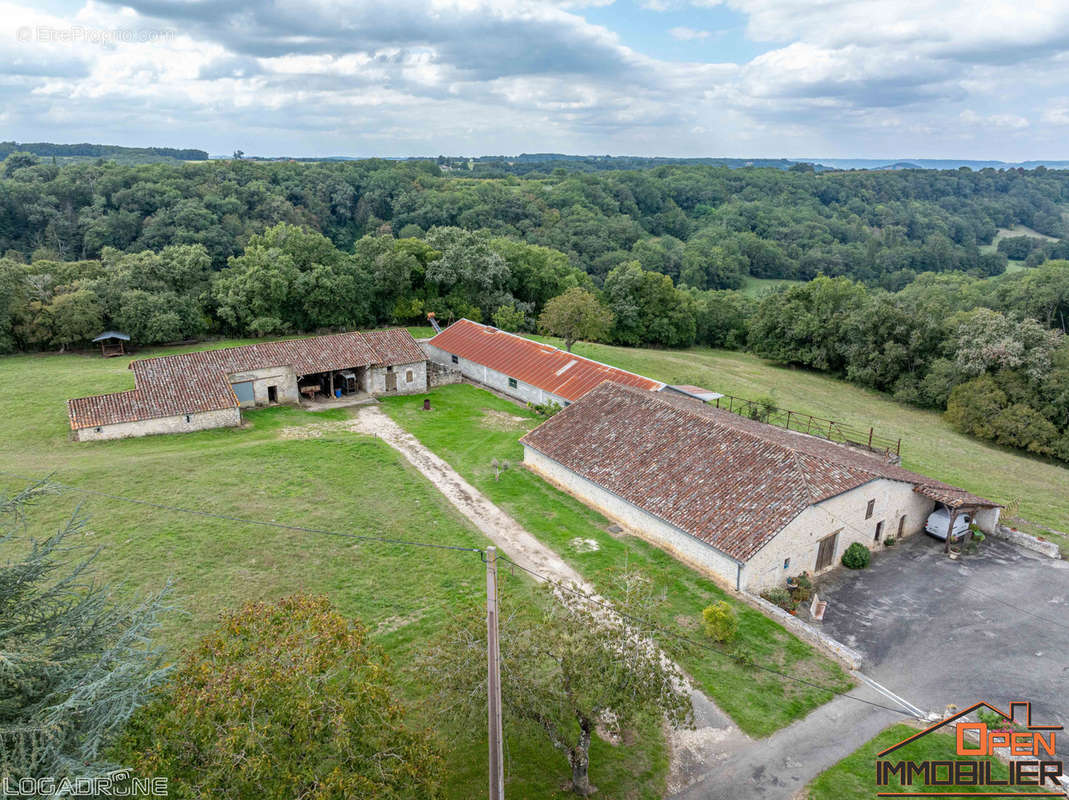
(553, 346)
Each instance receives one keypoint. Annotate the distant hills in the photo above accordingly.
(524, 163)
(86, 151)
(932, 163)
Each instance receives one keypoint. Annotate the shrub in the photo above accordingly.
(889, 541)
(781, 597)
(857, 556)
(720, 622)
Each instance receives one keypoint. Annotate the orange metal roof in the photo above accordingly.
(542, 365)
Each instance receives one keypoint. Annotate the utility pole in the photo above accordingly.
(493, 679)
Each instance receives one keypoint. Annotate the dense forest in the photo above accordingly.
(904, 292)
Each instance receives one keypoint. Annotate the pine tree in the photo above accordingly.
(74, 664)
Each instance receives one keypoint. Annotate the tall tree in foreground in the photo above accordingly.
(75, 665)
(568, 665)
(576, 314)
(286, 699)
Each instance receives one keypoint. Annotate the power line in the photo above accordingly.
(405, 542)
(704, 645)
(244, 520)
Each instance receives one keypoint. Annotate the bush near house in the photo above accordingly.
(720, 622)
(857, 556)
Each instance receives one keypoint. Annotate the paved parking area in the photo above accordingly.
(993, 626)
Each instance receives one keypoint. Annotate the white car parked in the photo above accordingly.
(939, 521)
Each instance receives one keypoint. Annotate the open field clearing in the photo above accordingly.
(336, 480)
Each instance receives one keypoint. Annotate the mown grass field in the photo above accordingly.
(339, 481)
(755, 287)
(854, 778)
(929, 444)
(470, 427)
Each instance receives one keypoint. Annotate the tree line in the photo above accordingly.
(703, 225)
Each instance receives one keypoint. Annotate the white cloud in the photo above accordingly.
(688, 34)
(428, 76)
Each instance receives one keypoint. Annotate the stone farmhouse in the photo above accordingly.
(523, 369)
(747, 501)
(208, 388)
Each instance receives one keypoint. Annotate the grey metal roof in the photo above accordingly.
(112, 335)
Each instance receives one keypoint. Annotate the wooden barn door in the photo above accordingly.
(826, 551)
(391, 381)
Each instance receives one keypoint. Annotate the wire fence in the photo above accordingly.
(829, 429)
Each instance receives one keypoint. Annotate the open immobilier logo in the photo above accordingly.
(1034, 762)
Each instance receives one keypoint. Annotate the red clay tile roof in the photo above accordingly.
(188, 383)
(544, 366)
(731, 482)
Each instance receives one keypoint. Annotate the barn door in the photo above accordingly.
(826, 551)
(391, 381)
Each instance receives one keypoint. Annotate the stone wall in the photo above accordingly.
(843, 514)
(411, 379)
(441, 375)
(498, 381)
(183, 423)
(284, 379)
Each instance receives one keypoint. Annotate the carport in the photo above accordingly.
(983, 513)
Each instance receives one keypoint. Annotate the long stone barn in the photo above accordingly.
(208, 388)
(746, 501)
(525, 370)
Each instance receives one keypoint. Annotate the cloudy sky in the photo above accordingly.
(758, 78)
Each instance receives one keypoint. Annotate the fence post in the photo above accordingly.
(870, 438)
(788, 419)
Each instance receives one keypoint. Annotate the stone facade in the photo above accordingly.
(498, 381)
(411, 379)
(902, 511)
(183, 423)
(894, 503)
(284, 379)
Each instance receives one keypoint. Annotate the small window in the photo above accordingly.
(455, 359)
(786, 563)
(408, 376)
(901, 526)
(98, 430)
(512, 383)
(879, 530)
(870, 509)
(189, 418)
(389, 369)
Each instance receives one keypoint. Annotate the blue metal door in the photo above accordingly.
(244, 392)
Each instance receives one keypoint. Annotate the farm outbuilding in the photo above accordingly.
(526, 370)
(208, 388)
(750, 502)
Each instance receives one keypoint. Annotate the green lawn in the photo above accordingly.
(854, 778)
(469, 427)
(755, 287)
(339, 481)
(929, 444)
